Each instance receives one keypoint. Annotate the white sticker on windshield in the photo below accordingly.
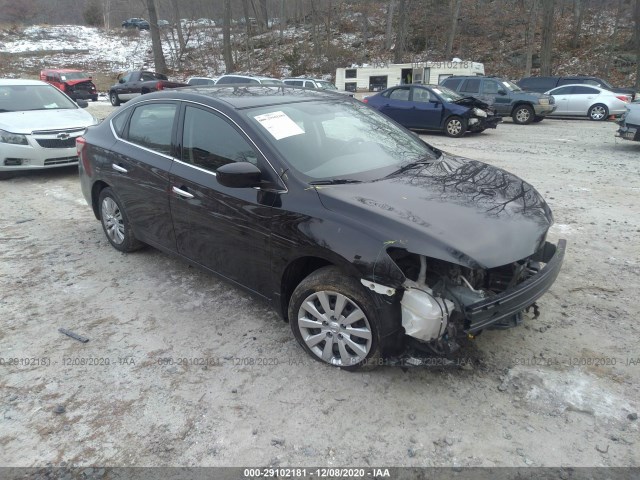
(279, 125)
(437, 91)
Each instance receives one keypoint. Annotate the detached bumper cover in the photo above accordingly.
(543, 110)
(482, 314)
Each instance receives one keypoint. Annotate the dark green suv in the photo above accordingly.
(504, 96)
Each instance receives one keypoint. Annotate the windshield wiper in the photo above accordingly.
(335, 181)
(410, 166)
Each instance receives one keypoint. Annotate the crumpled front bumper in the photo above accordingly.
(483, 123)
(629, 132)
(544, 110)
(483, 314)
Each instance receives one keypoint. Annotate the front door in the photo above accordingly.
(224, 229)
(426, 111)
(562, 96)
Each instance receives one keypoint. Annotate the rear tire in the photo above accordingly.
(455, 126)
(335, 320)
(598, 112)
(522, 114)
(114, 99)
(115, 222)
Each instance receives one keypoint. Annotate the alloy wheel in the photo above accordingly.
(113, 221)
(335, 328)
(454, 127)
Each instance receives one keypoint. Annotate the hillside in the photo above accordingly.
(605, 44)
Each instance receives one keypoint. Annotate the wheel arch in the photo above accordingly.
(519, 103)
(95, 195)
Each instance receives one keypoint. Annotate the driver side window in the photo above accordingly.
(400, 94)
(421, 95)
(490, 87)
(209, 141)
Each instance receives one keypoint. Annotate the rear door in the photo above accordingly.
(398, 106)
(139, 171)
(224, 229)
(581, 98)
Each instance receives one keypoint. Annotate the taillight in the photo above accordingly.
(624, 98)
(365, 100)
(81, 143)
(159, 86)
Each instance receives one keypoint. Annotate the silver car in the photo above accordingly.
(38, 126)
(587, 101)
(630, 123)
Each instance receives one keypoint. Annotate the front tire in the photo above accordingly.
(115, 222)
(114, 99)
(455, 126)
(334, 319)
(522, 115)
(598, 112)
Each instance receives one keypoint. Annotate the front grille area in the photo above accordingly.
(56, 142)
(70, 131)
(61, 160)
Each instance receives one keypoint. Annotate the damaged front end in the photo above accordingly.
(479, 116)
(442, 301)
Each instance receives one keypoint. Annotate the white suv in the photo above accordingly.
(237, 79)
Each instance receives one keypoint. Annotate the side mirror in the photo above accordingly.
(82, 103)
(121, 80)
(239, 175)
(502, 92)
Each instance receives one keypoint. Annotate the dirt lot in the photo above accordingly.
(557, 391)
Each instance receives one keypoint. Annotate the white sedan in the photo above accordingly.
(587, 101)
(38, 126)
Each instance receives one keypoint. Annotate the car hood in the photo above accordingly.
(472, 102)
(27, 122)
(79, 80)
(455, 209)
(527, 94)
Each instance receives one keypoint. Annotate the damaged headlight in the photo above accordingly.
(479, 112)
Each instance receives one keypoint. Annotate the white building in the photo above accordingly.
(377, 77)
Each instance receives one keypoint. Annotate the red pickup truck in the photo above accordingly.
(132, 84)
(75, 83)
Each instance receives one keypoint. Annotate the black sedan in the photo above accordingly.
(365, 239)
(434, 107)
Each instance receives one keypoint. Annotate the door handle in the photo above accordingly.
(118, 168)
(181, 193)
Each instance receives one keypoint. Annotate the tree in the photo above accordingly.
(389, 28)
(548, 10)
(455, 13)
(636, 17)
(578, 10)
(530, 37)
(401, 37)
(226, 37)
(156, 43)
(93, 15)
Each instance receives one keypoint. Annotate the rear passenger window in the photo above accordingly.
(209, 141)
(151, 126)
(471, 85)
(584, 91)
(399, 94)
(119, 122)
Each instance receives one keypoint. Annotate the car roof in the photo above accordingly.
(20, 81)
(246, 96)
(580, 85)
(255, 77)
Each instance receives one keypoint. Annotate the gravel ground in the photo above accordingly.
(561, 390)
